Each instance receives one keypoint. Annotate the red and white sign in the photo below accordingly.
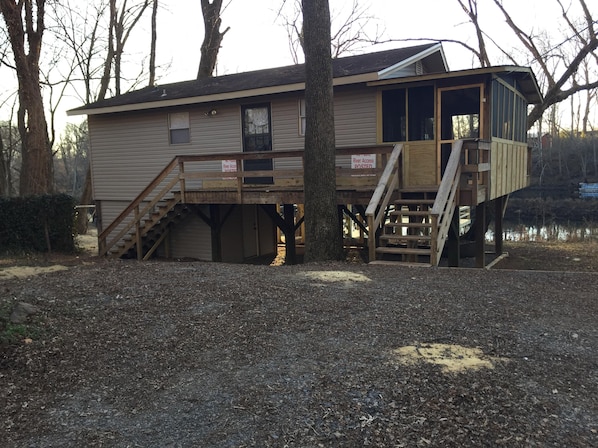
(229, 166)
(360, 161)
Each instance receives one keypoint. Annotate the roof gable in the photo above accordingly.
(431, 59)
(346, 70)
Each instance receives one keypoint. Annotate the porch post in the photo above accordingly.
(498, 229)
(215, 230)
(454, 241)
(480, 231)
(289, 234)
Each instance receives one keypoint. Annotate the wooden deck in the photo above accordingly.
(373, 187)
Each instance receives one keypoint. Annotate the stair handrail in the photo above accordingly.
(445, 202)
(387, 185)
(133, 207)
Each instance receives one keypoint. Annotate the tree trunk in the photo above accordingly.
(212, 37)
(36, 158)
(323, 238)
(3, 170)
(152, 63)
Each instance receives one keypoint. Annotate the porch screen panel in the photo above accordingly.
(421, 113)
(394, 116)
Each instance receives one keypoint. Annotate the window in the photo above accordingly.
(179, 128)
(302, 116)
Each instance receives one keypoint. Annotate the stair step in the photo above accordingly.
(390, 237)
(402, 251)
(408, 225)
(400, 263)
(410, 213)
(414, 202)
(420, 189)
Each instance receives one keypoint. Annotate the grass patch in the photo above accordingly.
(14, 333)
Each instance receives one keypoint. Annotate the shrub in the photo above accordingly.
(37, 223)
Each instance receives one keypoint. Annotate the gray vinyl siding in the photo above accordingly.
(354, 120)
(191, 239)
(109, 210)
(285, 131)
(128, 150)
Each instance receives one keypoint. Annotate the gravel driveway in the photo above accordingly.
(166, 354)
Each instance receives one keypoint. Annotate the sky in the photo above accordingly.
(257, 39)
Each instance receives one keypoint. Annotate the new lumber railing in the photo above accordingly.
(445, 203)
(206, 172)
(386, 188)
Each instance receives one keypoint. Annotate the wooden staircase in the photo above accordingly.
(153, 229)
(407, 234)
(414, 227)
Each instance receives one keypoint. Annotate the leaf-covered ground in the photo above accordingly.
(166, 354)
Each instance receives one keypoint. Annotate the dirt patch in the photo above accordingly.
(570, 256)
(219, 355)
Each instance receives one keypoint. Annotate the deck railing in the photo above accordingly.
(225, 172)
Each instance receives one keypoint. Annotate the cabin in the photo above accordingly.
(212, 169)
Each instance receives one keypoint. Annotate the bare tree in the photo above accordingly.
(471, 9)
(323, 238)
(348, 28)
(212, 40)
(71, 161)
(25, 25)
(95, 34)
(123, 24)
(578, 46)
(4, 167)
(152, 63)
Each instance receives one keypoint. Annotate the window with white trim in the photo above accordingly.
(178, 124)
(302, 116)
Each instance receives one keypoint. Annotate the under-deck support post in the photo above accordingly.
(480, 233)
(454, 242)
(215, 230)
(138, 239)
(498, 229)
(371, 239)
(289, 234)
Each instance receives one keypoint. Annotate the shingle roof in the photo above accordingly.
(280, 76)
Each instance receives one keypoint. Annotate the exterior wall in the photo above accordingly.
(354, 121)
(267, 243)
(248, 232)
(128, 150)
(108, 211)
(190, 238)
(508, 167)
(232, 237)
(420, 163)
(355, 118)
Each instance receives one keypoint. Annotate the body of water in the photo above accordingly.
(550, 232)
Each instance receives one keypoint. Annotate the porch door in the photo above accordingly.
(460, 117)
(257, 136)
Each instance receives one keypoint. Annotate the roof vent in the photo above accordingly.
(419, 68)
